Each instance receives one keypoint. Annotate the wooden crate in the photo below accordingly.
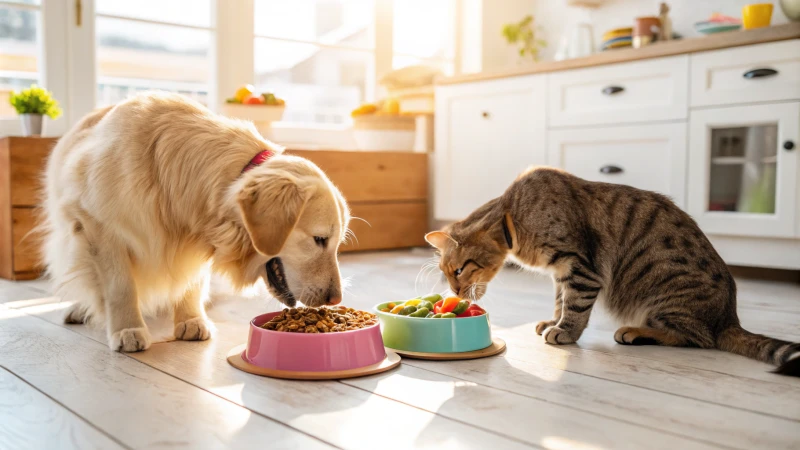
(22, 161)
(389, 190)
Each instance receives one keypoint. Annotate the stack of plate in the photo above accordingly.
(617, 38)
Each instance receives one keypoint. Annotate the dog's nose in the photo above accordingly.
(334, 300)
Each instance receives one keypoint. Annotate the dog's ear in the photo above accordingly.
(439, 239)
(271, 205)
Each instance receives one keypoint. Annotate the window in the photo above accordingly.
(324, 57)
(320, 55)
(19, 49)
(153, 44)
(424, 38)
(316, 54)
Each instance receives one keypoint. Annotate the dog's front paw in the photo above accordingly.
(557, 336)
(130, 340)
(196, 329)
(543, 325)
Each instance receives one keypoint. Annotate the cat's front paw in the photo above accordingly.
(557, 336)
(195, 329)
(543, 325)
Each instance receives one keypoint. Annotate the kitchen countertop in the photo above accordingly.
(675, 47)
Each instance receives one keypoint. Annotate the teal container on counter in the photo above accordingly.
(428, 335)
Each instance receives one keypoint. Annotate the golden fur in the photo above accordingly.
(144, 199)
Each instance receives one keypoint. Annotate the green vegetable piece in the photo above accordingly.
(425, 304)
(407, 310)
(430, 314)
(461, 307)
(422, 312)
(448, 316)
(437, 316)
(433, 298)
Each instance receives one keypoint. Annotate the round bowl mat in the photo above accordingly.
(235, 359)
(497, 347)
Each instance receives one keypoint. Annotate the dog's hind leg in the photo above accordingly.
(191, 322)
(68, 258)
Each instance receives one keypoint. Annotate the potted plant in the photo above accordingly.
(524, 36)
(31, 104)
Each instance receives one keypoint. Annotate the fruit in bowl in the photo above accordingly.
(246, 95)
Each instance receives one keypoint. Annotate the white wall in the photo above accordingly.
(480, 32)
(556, 18)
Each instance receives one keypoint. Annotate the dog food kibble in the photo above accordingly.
(320, 320)
(433, 307)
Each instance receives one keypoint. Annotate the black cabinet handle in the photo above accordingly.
(485, 114)
(788, 145)
(759, 73)
(610, 169)
(611, 90)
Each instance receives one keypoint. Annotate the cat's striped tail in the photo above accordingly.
(785, 355)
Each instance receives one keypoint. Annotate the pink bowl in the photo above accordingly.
(322, 352)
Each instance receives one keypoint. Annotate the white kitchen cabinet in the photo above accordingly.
(755, 73)
(650, 157)
(486, 134)
(631, 92)
(743, 168)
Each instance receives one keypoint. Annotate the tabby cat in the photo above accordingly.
(645, 258)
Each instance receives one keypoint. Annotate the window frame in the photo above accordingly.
(51, 57)
(68, 63)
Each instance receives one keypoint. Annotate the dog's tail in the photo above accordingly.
(785, 355)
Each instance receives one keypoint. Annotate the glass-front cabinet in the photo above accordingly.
(743, 168)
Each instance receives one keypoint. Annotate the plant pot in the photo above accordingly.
(31, 124)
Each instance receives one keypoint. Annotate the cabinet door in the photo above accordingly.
(743, 169)
(486, 134)
(650, 157)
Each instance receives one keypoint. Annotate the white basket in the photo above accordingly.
(258, 114)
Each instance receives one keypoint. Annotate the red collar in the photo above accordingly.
(259, 159)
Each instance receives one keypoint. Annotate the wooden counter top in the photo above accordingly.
(676, 47)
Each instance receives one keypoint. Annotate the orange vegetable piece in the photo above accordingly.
(449, 304)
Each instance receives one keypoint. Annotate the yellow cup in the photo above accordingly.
(756, 15)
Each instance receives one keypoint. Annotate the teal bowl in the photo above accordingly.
(417, 334)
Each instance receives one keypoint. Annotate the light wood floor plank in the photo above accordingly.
(30, 420)
(340, 414)
(139, 406)
(683, 416)
(513, 414)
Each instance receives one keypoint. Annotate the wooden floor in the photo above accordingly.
(61, 387)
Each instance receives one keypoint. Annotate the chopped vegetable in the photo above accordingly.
(422, 312)
(425, 307)
(450, 304)
(408, 310)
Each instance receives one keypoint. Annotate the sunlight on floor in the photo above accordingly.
(562, 443)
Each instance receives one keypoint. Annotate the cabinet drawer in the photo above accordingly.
(620, 93)
(486, 134)
(650, 157)
(26, 252)
(756, 73)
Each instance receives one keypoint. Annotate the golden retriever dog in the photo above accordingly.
(143, 200)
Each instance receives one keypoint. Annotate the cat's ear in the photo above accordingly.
(438, 239)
